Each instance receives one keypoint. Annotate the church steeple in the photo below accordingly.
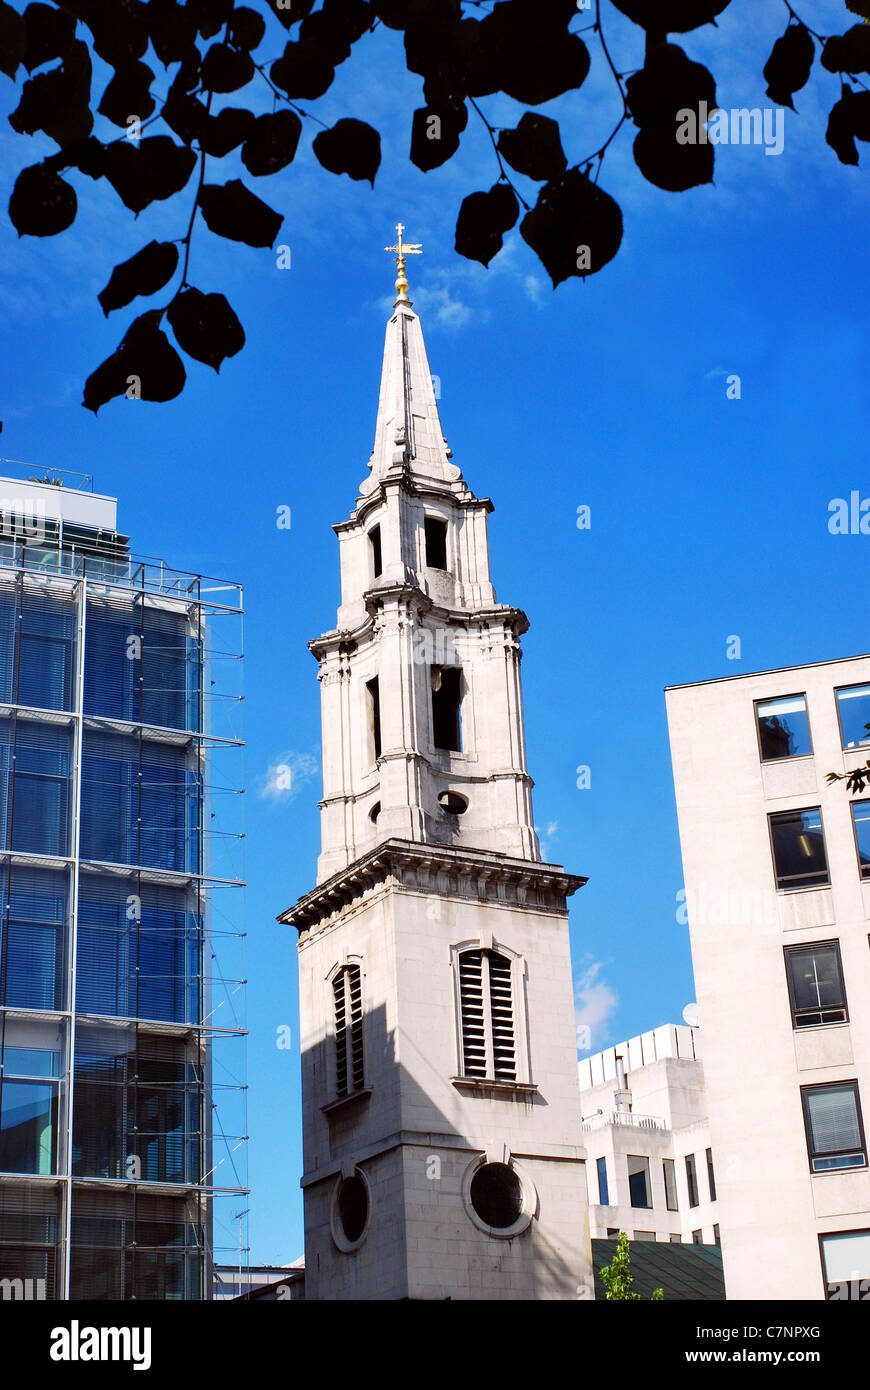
(422, 709)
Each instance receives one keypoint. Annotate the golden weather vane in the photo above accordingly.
(403, 249)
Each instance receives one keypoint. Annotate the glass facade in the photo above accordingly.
(105, 1145)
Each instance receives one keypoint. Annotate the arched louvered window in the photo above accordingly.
(487, 1016)
(347, 992)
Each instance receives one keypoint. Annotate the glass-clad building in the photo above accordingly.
(106, 1160)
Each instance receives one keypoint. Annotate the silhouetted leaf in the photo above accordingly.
(671, 16)
(246, 27)
(231, 210)
(145, 273)
(349, 147)
(789, 65)
(50, 33)
(148, 170)
(303, 70)
(483, 219)
(119, 28)
(211, 15)
(667, 83)
(435, 132)
(290, 11)
(88, 156)
(849, 120)
(186, 116)
(205, 326)
(861, 7)
(146, 355)
(13, 39)
(128, 94)
(271, 143)
(172, 29)
(534, 148)
(529, 51)
(226, 69)
(849, 52)
(224, 132)
(58, 101)
(574, 228)
(41, 203)
(670, 165)
(337, 25)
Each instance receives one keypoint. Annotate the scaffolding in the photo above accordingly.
(122, 1023)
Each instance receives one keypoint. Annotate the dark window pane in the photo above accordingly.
(816, 984)
(861, 822)
(799, 849)
(436, 543)
(692, 1181)
(603, 1194)
(853, 705)
(670, 1184)
(446, 718)
(711, 1176)
(375, 543)
(783, 727)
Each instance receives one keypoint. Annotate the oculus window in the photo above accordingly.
(815, 984)
(835, 1134)
(783, 728)
(853, 707)
(798, 842)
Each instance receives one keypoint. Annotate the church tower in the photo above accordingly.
(439, 1073)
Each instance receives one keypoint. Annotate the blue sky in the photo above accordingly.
(709, 515)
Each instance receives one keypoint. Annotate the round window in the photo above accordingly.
(375, 812)
(497, 1195)
(454, 803)
(350, 1211)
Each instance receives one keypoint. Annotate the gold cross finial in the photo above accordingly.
(403, 249)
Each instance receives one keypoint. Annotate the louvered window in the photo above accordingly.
(487, 1016)
(349, 1068)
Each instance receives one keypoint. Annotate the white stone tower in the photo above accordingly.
(440, 1096)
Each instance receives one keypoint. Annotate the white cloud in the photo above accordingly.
(534, 288)
(286, 775)
(594, 1003)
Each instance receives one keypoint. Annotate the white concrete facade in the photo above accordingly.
(755, 890)
(436, 1002)
(651, 1108)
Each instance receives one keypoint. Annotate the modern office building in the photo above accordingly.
(777, 892)
(106, 1154)
(439, 1068)
(649, 1161)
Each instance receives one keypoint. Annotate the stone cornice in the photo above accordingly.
(410, 593)
(455, 492)
(438, 871)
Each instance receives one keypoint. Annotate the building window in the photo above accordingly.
(697, 1237)
(453, 803)
(711, 1177)
(374, 707)
(783, 728)
(347, 994)
(446, 707)
(861, 825)
(486, 1009)
(644, 1235)
(29, 1082)
(351, 1211)
(815, 984)
(835, 1134)
(845, 1263)
(499, 1197)
(612, 1231)
(675, 1240)
(436, 543)
(798, 844)
(375, 543)
(716, 1238)
(638, 1180)
(603, 1191)
(670, 1184)
(692, 1180)
(853, 707)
